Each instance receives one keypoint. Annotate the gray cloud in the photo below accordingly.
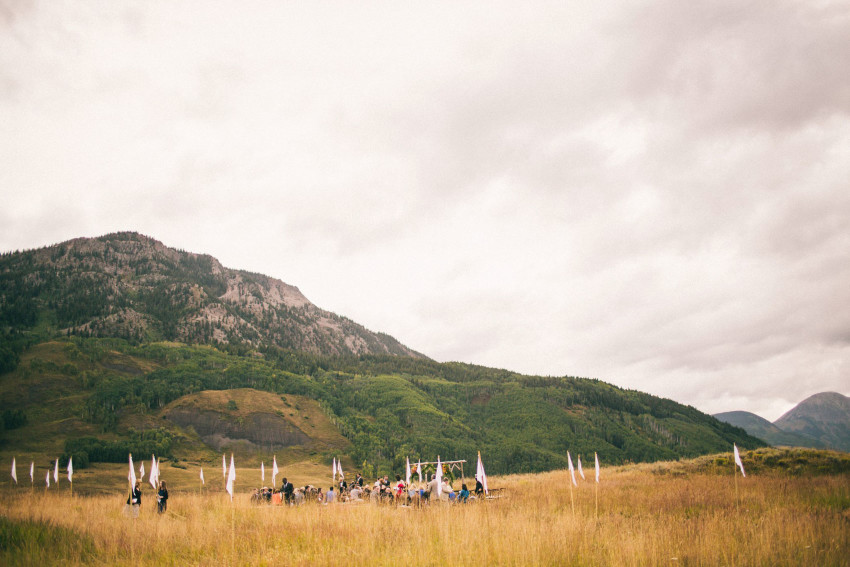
(653, 194)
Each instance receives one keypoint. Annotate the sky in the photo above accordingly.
(654, 193)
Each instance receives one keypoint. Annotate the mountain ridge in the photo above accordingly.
(820, 421)
(824, 416)
(133, 286)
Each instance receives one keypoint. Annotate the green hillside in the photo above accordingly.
(376, 410)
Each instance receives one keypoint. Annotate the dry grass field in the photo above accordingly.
(647, 515)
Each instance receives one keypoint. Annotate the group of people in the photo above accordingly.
(134, 500)
(381, 491)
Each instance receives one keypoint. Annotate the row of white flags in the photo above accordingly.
(230, 473)
(70, 470)
(580, 470)
(153, 476)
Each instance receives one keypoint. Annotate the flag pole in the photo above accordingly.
(572, 502)
(735, 474)
(597, 500)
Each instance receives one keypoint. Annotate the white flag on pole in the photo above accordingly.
(439, 478)
(419, 470)
(596, 458)
(333, 466)
(223, 466)
(339, 469)
(56, 472)
(572, 470)
(142, 471)
(481, 475)
(131, 476)
(70, 469)
(738, 460)
(263, 471)
(580, 471)
(32, 472)
(14, 471)
(202, 476)
(231, 477)
(47, 479)
(274, 470)
(407, 472)
(153, 477)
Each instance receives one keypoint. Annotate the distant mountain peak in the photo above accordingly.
(824, 416)
(819, 421)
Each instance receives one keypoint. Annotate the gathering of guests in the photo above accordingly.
(382, 491)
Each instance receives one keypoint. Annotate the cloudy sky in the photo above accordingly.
(653, 193)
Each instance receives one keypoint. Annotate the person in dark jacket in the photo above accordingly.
(287, 489)
(162, 497)
(134, 500)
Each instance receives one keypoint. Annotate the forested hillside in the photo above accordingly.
(387, 407)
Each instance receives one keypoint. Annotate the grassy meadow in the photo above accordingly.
(678, 513)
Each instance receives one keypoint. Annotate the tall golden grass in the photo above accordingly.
(644, 518)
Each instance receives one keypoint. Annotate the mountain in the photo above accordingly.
(130, 286)
(824, 416)
(759, 427)
(120, 344)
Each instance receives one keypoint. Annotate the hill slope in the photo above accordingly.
(131, 286)
(824, 416)
(376, 410)
(759, 427)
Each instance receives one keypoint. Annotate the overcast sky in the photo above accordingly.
(652, 193)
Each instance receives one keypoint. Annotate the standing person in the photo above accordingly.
(287, 489)
(135, 499)
(359, 480)
(329, 495)
(162, 497)
(431, 491)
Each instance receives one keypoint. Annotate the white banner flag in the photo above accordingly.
(481, 475)
(580, 471)
(419, 471)
(339, 469)
(231, 477)
(738, 460)
(263, 472)
(14, 470)
(333, 466)
(596, 458)
(131, 476)
(153, 476)
(439, 478)
(32, 472)
(142, 471)
(407, 472)
(202, 476)
(274, 471)
(70, 469)
(572, 470)
(47, 479)
(223, 466)
(56, 472)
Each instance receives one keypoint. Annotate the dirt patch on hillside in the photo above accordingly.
(217, 429)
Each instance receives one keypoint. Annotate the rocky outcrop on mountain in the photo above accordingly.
(131, 286)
